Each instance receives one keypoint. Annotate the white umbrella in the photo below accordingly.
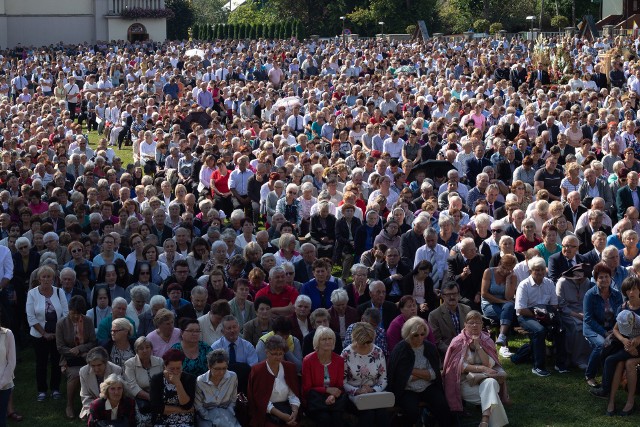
(289, 102)
(195, 52)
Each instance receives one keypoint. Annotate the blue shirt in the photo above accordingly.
(594, 314)
(245, 352)
(310, 289)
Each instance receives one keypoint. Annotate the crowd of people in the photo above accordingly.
(313, 228)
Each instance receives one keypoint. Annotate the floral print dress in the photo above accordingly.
(368, 369)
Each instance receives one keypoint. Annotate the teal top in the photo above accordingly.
(197, 366)
(544, 253)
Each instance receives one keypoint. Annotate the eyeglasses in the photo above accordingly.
(115, 331)
(22, 247)
(75, 251)
(193, 330)
(219, 369)
(455, 295)
(290, 273)
(570, 246)
(145, 273)
(419, 334)
(496, 231)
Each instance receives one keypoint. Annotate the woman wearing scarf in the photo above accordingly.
(472, 373)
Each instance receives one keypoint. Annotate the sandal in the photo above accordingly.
(15, 417)
(483, 424)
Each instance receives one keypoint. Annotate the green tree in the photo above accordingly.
(184, 18)
(559, 22)
(495, 28)
(395, 14)
(481, 25)
(209, 11)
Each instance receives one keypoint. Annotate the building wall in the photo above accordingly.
(611, 7)
(157, 28)
(43, 30)
(49, 7)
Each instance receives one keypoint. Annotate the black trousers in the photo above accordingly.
(435, 401)
(46, 352)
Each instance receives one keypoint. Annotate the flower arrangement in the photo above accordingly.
(140, 13)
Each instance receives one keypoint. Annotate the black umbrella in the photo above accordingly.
(196, 116)
(433, 168)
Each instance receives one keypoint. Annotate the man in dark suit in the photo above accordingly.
(391, 272)
(378, 292)
(629, 195)
(595, 224)
(574, 209)
(70, 286)
(518, 75)
(303, 269)
(565, 149)
(564, 260)
(346, 228)
(599, 78)
(477, 163)
(593, 187)
(590, 128)
(551, 126)
(412, 240)
(467, 269)
(599, 242)
(159, 228)
(197, 307)
(540, 75)
(505, 168)
(55, 218)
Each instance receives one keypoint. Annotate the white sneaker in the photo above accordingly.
(504, 352)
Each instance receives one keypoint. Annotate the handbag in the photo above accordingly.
(316, 401)
(376, 400)
(282, 407)
(109, 423)
(475, 378)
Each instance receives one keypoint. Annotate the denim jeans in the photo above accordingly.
(504, 312)
(594, 362)
(538, 335)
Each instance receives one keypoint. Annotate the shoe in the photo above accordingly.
(599, 392)
(42, 397)
(505, 352)
(540, 372)
(591, 382)
(69, 412)
(582, 366)
(626, 413)
(502, 340)
(611, 413)
(15, 417)
(56, 395)
(562, 369)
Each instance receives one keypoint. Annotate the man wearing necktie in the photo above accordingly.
(242, 355)
(562, 261)
(628, 195)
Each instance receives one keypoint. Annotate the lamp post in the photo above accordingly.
(381, 23)
(344, 36)
(531, 18)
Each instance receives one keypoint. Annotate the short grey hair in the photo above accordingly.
(302, 298)
(50, 235)
(536, 262)
(274, 270)
(156, 300)
(140, 342)
(358, 266)
(375, 283)
(339, 295)
(320, 333)
(199, 291)
(22, 241)
(140, 291)
(118, 301)
(66, 270)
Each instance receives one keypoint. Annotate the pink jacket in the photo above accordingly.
(452, 367)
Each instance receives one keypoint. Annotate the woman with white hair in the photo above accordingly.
(290, 207)
(113, 405)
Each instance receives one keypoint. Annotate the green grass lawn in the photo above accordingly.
(558, 400)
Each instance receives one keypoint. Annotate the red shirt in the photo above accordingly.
(283, 299)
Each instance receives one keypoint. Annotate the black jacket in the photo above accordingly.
(342, 237)
(389, 312)
(157, 398)
(381, 272)
(401, 364)
(469, 286)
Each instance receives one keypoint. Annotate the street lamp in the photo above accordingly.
(381, 23)
(344, 36)
(531, 18)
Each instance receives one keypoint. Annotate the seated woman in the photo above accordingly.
(121, 345)
(282, 327)
(273, 384)
(118, 311)
(195, 351)
(172, 392)
(323, 380)
(365, 371)
(323, 231)
(262, 324)
(549, 245)
(241, 308)
(408, 309)
(414, 375)
(497, 291)
(216, 393)
(341, 313)
(92, 374)
(165, 335)
(113, 405)
(101, 303)
(419, 284)
(601, 302)
(137, 373)
(622, 358)
(75, 336)
(571, 289)
(473, 352)
(528, 239)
